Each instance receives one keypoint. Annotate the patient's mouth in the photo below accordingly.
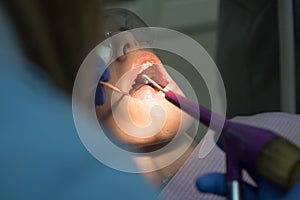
(153, 72)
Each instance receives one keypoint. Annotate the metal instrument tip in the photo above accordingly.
(148, 80)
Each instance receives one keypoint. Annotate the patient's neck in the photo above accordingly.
(167, 161)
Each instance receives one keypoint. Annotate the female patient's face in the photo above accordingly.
(144, 118)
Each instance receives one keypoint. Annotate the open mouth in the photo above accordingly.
(154, 72)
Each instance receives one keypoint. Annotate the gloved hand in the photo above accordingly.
(216, 183)
(100, 94)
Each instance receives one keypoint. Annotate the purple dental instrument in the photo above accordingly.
(259, 151)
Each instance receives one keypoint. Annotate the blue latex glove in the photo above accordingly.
(215, 183)
(100, 94)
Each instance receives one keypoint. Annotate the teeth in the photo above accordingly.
(145, 66)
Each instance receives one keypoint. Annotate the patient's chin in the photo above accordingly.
(143, 122)
(140, 144)
(137, 124)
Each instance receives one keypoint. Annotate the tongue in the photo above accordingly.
(154, 74)
(144, 92)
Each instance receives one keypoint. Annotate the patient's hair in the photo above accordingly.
(56, 35)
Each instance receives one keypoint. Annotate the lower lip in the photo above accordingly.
(145, 92)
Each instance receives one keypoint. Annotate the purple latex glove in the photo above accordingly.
(100, 93)
(216, 183)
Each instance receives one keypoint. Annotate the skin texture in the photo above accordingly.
(144, 120)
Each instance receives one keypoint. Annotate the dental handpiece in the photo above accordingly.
(260, 151)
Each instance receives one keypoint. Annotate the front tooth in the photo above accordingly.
(145, 66)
